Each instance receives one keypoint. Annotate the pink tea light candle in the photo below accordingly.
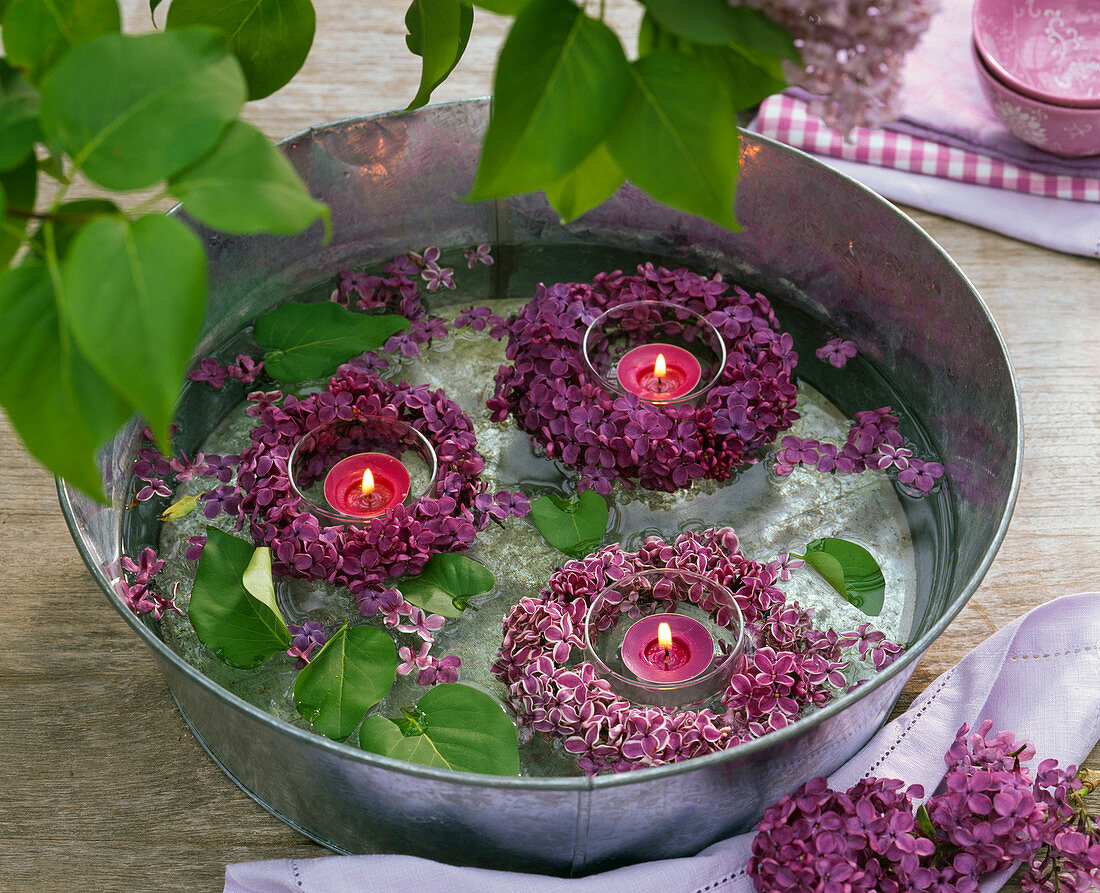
(667, 648)
(367, 485)
(658, 372)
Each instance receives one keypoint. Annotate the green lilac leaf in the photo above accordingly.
(239, 628)
(133, 110)
(859, 578)
(560, 83)
(257, 579)
(503, 7)
(270, 38)
(348, 676)
(829, 568)
(134, 295)
(758, 34)
(38, 32)
(749, 77)
(52, 166)
(18, 117)
(924, 822)
(70, 217)
(716, 23)
(575, 525)
(181, 508)
(438, 32)
(21, 188)
(701, 21)
(589, 184)
(306, 341)
(652, 36)
(247, 185)
(60, 407)
(460, 728)
(674, 139)
(445, 583)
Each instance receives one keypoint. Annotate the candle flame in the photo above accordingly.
(659, 369)
(664, 635)
(368, 482)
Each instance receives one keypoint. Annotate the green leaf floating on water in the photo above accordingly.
(305, 341)
(575, 525)
(242, 629)
(851, 570)
(446, 584)
(348, 676)
(452, 727)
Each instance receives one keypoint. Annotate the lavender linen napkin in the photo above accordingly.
(1036, 677)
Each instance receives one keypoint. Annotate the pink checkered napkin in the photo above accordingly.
(785, 118)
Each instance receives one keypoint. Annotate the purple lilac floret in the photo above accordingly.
(306, 638)
(139, 592)
(837, 352)
(360, 556)
(793, 667)
(478, 318)
(429, 669)
(245, 370)
(990, 813)
(482, 254)
(553, 396)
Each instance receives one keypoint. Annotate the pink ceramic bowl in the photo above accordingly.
(1045, 49)
(1063, 130)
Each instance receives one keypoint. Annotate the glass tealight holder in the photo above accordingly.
(320, 450)
(627, 329)
(640, 599)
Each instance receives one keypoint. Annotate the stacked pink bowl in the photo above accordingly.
(1038, 63)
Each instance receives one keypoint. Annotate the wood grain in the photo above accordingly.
(105, 788)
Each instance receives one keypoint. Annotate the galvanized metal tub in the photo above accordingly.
(812, 238)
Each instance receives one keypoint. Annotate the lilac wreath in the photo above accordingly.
(363, 556)
(790, 666)
(605, 436)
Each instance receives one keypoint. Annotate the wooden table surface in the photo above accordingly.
(104, 788)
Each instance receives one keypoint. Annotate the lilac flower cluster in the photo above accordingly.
(362, 556)
(245, 370)
(872, 442)
(793, 666)
(606, 437)
(305, 639)
(154, 471)
(397, 291)
(989, 814)
(851, 52)
(139, 593)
